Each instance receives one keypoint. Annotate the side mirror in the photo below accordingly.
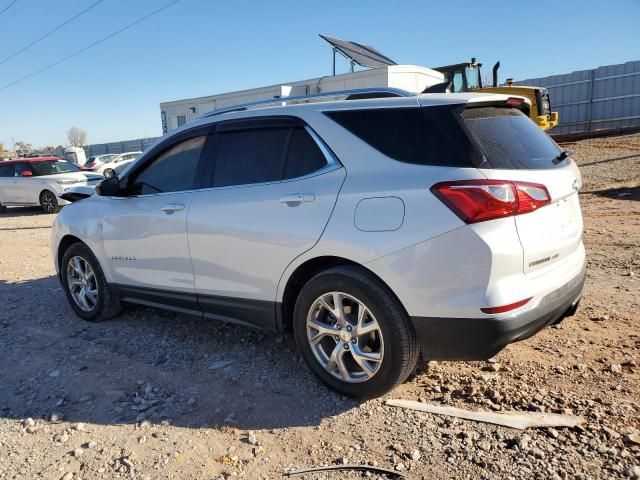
(109, 187)
(27, 173)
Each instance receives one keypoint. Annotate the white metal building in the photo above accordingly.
(407, 77)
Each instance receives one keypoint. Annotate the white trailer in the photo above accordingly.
(406, 77)
(75, 155)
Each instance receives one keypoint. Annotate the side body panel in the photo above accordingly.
(145, 245)
(242, 238)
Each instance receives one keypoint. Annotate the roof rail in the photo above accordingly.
(356, 93)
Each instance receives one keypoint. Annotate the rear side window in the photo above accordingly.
(172, 171)
(259, 155)
(304, 155)
(250, 156)
(509, 139)
(426, 136)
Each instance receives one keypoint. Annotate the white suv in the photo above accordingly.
(375, 229)
(40, 181)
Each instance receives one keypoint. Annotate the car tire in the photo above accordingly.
(107, 302)
(49, 202)
(108, 173)
(358, 365)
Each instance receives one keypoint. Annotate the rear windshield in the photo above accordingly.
(508, 139)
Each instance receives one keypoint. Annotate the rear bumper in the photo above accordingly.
(482, 338)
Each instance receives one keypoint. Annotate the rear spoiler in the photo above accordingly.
(521, 103)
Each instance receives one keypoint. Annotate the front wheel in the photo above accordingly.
(109, 172)
(353, 333)
(49, 202)
(88, 292)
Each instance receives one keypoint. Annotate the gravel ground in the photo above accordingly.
(159, 395)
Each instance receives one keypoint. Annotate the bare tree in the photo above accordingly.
(77, 137)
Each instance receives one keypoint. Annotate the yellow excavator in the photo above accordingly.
(467, 77)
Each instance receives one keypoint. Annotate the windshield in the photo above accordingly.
(53, 167)
(509, 139)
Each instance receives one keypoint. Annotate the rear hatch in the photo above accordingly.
(514, 148)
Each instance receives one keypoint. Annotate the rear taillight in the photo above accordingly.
(480, 200)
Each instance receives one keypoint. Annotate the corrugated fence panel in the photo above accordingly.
(140, 144)
(603, 98)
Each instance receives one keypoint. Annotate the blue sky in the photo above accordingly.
(199, 47)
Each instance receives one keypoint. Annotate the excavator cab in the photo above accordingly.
(467, 77)
(463, 77)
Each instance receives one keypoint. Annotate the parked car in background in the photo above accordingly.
(122, 159)
(374, 229)
(97, 160)
(40, 181)
(79, 192)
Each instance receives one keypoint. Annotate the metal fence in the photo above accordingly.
(603, 98)
(140, 144)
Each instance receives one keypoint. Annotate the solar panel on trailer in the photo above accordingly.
(363, 55)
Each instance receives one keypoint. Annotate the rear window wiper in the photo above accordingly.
(562, 156)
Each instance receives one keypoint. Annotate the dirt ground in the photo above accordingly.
(155, 395)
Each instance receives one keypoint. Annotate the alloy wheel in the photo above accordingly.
(82, 283)
(48, 202)
(345, 337)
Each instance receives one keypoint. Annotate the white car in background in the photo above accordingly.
(40, 181)
(107, 168)
(98, 160)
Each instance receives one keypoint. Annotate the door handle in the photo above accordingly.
(172, 207)
(297, 198)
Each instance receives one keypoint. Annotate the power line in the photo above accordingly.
(39, 39)
(8, 7)
(91, 45)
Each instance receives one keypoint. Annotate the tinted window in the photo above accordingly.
(7, 170)
(509, 139)
(304, 155)
(53, 167)
(21, 167)
(427, 136)
(173, 171)
(250, 156)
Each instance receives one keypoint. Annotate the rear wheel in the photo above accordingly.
(49, 202)
(353, 333)
(88, 292)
